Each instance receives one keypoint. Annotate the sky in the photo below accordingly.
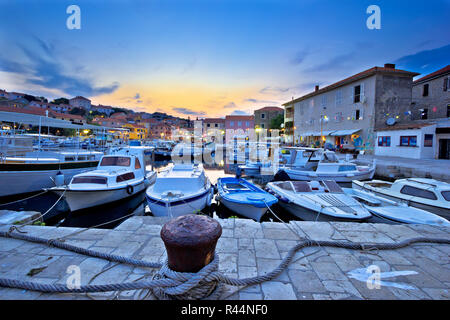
(210, 58)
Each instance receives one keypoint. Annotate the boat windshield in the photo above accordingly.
(446, 195)
(115, 161)
(89, 179)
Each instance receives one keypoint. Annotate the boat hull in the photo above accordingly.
(78, 200)
(21, 182)
(245, 210)
(443, 212)
(179, 207)
(301, 175)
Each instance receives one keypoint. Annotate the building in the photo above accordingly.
(103, 109)
(68, 117)
(238, 126)
(80, 102)
(136, 131)
(264, 116)
(346, 114)
(427, 135)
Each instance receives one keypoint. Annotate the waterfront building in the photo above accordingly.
(238, 126)
(345, 114)
(264, 116)
(80, 102)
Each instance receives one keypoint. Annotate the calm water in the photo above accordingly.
(111, 215)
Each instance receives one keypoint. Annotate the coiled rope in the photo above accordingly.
(168, 284)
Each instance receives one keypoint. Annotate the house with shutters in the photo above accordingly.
(347, 113)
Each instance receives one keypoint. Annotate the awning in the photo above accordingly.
(344, 132)
(317, 133)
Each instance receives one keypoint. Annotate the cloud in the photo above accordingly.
(260, 101)
(274, 90)
(187, 111)
(229, 105)
(44, 69)
(299, 57)
(239, 113)
(425, 61)
(335, 63)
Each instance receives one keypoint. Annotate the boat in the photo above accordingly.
(37, 170)
(120, 174)
(329, 167)
(317, 201)
(244, 198)
(427, 194)
(180, 189)
(163, 149)
(388, 211)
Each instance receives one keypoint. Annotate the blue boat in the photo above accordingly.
(244, 198)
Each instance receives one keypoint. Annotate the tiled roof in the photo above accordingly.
(214, 120)
(233, 117)
(271, 109)
(356, 77)
(437, 73)
(80, 98)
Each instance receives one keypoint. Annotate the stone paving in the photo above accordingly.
(246, 249)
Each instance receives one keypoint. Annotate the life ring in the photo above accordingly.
(130, 189)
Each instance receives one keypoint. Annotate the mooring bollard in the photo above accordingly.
(190, 242)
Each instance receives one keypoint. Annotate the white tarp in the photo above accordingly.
(344, 132)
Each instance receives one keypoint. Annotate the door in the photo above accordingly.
(444, 149)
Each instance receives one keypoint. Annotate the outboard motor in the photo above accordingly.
(59, 179)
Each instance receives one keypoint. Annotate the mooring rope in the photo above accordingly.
(168, 284)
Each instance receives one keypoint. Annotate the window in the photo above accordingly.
(247, 123)
(428, 142)
(409, 141)
(446, 195)
(125, 177)
(417, 192)
(239, 124)
(208, 125)
(324, 100)
(263, 115)
(425, 90)
(231, 123)
(448, 111)
(384, 141)
(447, 84)
(357, 94)
(424, 114)
(262, 125)
(357, 114)
(137, 164)
(216, 125)
(338, 97)
(89, 179)
(116, 161)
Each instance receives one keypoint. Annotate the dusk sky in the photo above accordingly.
(211, 57)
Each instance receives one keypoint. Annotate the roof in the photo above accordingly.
(29, 110)
(233, 117)
(67, 115)
(271, 109)
(438, 73)
(406, 126)
(214, 120)
(356, 77)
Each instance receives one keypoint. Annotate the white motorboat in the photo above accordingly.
(43, 169)
(119, 175)
(179, 190)
(330, 168)
(427, 194)
(317, 201)
(388, 211)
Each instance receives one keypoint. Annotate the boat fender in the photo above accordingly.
(59, 179)
(130, 189)
(209, 199)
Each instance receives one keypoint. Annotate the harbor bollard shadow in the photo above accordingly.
(190, 242)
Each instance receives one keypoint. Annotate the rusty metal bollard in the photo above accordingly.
(190, 242)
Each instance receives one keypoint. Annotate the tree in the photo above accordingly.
(61, 101)
(276, 122)
(30, 98)
(78, 111)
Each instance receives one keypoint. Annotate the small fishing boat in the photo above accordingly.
(244, 198)
(119, 175)
(318, 201)
(427, 194)
(179, 190)
(388, 211)
(330, 168)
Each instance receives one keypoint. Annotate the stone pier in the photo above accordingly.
(246, 249)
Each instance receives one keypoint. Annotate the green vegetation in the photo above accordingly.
(61, 101)
(276, 122)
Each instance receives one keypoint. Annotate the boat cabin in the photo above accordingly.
(327, 186)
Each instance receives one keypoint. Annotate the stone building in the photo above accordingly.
(80, 102)
(264, 116)
(346, 114)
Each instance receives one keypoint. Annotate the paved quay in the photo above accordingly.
(246, 249)
(398, 167)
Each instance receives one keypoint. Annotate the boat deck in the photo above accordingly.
(246, 249)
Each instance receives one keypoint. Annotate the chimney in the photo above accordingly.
(389, 65)
(317, 88)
